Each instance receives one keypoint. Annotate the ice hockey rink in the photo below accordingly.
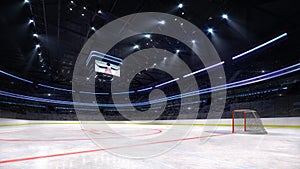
(64, 144)
(157, 84)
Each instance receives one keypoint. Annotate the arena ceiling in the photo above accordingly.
(63, 27)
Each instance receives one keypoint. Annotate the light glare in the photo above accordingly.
(162, 22)
(148, 36)
(225, 16)
(31, 21)
(136, 47)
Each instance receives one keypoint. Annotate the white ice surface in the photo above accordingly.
(64, 146)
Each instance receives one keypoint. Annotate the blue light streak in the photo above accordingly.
(165, 83)
(141, 90)
(55, 88)
(22, 104)
(129, 92)
(85, 92)
(16, 77)
(118, 59)
(260, 46)
(201, 70)
(244, 82)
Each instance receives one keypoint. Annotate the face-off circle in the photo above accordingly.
(125, 27)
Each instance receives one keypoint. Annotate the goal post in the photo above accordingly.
(247, 121)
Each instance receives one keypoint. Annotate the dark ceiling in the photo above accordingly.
(62, 32)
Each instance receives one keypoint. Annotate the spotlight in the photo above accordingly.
(82, 14)
(162, 22)
(136, 47)
(165, 58)
(72, 2)
(263, 71)
(182, 13)
(35, 35)
(210, 30)
(26, 1)
(180, 5)
(147, 36)
(49, 94)
(84, 7)
(177, 51)
(37, 46)
(71, 9)
(40, 54)
(193, 41)
(93, 28)
(225, 16)
(99, 11)
(31, 21)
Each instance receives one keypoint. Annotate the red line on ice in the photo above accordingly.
(102, 149)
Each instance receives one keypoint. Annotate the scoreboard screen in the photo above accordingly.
(107, 68)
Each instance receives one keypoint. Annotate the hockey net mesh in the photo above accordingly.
(247, 121)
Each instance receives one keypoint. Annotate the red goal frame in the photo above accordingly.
(245, 119)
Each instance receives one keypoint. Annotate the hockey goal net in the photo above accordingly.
(247, 121)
